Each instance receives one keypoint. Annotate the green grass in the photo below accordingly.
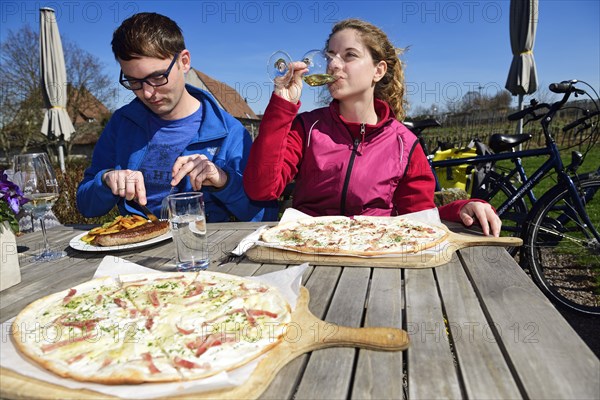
(531, 164)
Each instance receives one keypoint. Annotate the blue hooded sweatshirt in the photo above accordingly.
(221, 138)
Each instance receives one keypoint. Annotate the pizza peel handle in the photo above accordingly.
(462, 240)
(318, 334)
(388, 339)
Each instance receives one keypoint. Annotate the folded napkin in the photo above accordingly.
(249, 241)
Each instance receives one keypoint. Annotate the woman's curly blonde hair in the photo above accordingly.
(391, 87)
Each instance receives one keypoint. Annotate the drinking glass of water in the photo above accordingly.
(188, 225)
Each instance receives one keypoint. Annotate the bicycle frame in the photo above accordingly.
(554, 162)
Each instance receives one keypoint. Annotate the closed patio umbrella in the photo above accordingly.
(522, 76)
(57, 123)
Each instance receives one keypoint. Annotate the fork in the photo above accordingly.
(164, 206)
(237, 254)
(230, 257)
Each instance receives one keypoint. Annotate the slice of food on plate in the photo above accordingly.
(125, 230)
(360, 235)
(153, 327)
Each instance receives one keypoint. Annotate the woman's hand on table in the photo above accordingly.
(484, 214)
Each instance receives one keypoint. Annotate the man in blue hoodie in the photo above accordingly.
(171, 135)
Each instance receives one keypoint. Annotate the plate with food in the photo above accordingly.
(124, 232)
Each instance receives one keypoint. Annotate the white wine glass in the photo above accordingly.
(316, 61)
(37, 180)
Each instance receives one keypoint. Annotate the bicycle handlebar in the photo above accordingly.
(528, 111)
(580, 121)
(565, 87)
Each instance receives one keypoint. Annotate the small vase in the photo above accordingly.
(10, 274)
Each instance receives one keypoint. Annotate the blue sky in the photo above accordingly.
(454, 46)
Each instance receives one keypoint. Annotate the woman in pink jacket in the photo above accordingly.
(354, 157)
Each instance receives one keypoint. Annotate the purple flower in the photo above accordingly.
(11, 200)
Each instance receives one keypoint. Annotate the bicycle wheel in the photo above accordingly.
(496, 190)
(562, 253)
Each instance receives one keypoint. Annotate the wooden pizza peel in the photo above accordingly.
(427, 259)
(298, 340)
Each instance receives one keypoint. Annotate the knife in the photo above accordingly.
(143, 209)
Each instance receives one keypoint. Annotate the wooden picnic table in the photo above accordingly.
(478, 327)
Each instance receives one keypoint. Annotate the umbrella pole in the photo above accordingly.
(520, 122)
(61, 158)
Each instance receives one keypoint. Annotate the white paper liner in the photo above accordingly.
(430, 216)
(287, 281)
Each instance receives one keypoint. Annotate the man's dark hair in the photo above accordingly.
(147, 35)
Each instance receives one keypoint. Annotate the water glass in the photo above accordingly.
(188, 225)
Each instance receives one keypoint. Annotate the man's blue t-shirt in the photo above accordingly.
(168, 139)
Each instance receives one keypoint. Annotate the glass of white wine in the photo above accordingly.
(316, 61)
(36, 178)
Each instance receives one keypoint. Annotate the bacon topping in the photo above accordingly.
(148, 358)
(85, 325)
(107, 361)
(184, 331)
(170, 278)
(60, 319)
(149, 323)
(202, 345)
(249, 317)
(195, 289)
(98, 299)
(253, 313)
(69, 296)
(120, 302)
(76, 358)
(134, 283)
(149, 313)
(49, 347)
(260, 289)
(257, 313)
(180, 362)
(153, 297)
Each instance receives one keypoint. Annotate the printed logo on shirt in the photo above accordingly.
(212, 150)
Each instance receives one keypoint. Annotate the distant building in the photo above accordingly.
(227, 98)
(89, 116)
(22, 134)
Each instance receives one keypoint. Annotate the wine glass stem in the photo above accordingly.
(46, 244)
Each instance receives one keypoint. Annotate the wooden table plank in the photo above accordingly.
(482, 366)
(285, 383)
(384, 308)
(540, 344)
(429, 354)
(328, 372)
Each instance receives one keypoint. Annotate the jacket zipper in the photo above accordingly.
(349, 171)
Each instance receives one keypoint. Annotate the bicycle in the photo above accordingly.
(560, 232)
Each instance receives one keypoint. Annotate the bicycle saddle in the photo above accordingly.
(500, 142)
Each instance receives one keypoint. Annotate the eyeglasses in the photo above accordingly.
(153, 80)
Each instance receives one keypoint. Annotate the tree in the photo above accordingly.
(20, 94)
(21, 101)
